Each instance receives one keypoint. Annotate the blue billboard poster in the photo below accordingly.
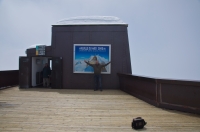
(91, 53)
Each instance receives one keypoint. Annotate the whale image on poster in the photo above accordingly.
(91, 53)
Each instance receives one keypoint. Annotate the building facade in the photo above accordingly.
(92, 32)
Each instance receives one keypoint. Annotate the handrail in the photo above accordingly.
(164, 93)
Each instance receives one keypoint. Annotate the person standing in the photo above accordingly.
(97, 73)
(46, 75)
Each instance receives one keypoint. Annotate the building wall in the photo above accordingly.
(63, 39)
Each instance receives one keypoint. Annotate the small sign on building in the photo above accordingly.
(40, 50)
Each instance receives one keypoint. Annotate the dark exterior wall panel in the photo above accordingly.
(63, 48)
(93, 28)
(101, 38)
(121, 49)
(63, 40)
(81, 37)
(66, 36)
(81, 81)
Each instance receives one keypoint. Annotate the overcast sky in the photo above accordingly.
(164, 35)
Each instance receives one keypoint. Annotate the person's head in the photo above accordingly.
(46, 64)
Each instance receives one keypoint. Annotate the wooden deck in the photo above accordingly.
(38, 110)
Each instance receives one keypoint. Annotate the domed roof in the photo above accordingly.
(92, 20)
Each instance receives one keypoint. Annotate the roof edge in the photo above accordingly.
(92, 25)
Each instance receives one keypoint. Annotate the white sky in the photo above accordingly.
(164, 35)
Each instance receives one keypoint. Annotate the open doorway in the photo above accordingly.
(38, 64)
(30, 69)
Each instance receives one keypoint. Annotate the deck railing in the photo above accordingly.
(9, 78)
(163, 93)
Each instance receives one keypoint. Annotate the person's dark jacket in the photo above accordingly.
(46, 72)
(97, 67)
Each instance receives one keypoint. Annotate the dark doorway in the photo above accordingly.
(24, 72)
(57, 70)
(37, 65)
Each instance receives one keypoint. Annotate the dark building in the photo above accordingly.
(106, 39)
(66, 34)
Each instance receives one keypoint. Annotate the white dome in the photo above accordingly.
(91, 20)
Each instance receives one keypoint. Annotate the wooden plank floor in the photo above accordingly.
(49, 110)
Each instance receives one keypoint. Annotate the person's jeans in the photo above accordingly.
(46, 80)
(97, 81)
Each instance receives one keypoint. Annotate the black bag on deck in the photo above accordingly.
(138, 123)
